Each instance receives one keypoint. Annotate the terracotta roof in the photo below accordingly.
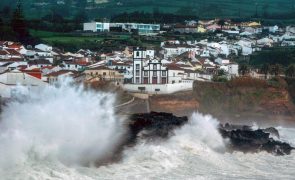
(39, 61)
(58, 73)
(3, 52)
(173, 66)
(115, 63)
(100, 68)
(13, 52)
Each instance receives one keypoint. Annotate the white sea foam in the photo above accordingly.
(62, 123)
(42, 138)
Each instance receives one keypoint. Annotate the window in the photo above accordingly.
(164, 80)
(163, 73)
(137, 54)
(137, 66)
(173, 74)
(145, 73)
(154, 73)
(154, 67)
(137, 80)
(145, 80)
(104, 73)
(137, 72)
(155, 80)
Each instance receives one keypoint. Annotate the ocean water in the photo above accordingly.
(55, 135)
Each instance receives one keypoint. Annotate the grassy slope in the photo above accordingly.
(245, 97)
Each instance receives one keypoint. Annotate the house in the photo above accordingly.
(221, 61)
(171, 50)
(10, 81)
(124, 67)
(55, 77)
(39, 63)
(144, 29)
(5, 66)
(201, 29)
(74, 66)
(246, 46)
(179, 28)
(44, 47)
(10, 54)
(97, 26)
(196, 65)
(213, 27)
(175, 73)
(150, 53)
(253, 30)
(233, 69)
(33, 72)
(4, 54)
(103, 73)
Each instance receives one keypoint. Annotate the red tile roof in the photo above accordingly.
(173, 66)
(13, 52)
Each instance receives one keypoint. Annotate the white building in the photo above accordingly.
(221, 61)
(233, 69)
(10, 81)
(150, 53)
(139, 55)
(155, 73)
(152, 77)
(96, 27)
(44, 47)
(145, 29)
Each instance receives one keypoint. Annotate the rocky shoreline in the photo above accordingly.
(241, 138)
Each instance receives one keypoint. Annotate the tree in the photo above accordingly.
(275, 69)
(244, 69)
(18, 22)
(221, 23)
(290, 72)
(265, 69)
(81, 17)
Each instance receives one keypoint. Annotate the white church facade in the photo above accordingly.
(150, 76)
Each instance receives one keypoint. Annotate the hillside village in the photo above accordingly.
(175, 62)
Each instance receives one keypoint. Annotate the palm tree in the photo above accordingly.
(275, 69)
(290, 72)
(244, 69)
(221, 23)
(265, 69)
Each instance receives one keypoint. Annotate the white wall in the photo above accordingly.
(90, 26)
(164, 88)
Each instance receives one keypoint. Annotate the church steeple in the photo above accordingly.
(139, 55)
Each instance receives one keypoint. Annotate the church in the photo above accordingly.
(147, 71)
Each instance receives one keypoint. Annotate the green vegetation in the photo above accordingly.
(242, 96)
(283, 56)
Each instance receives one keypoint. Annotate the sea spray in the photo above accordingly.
(64, 123)
(199, 136)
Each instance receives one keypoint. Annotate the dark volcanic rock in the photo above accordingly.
(247, 140)
(155, 124)
(241, 138)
